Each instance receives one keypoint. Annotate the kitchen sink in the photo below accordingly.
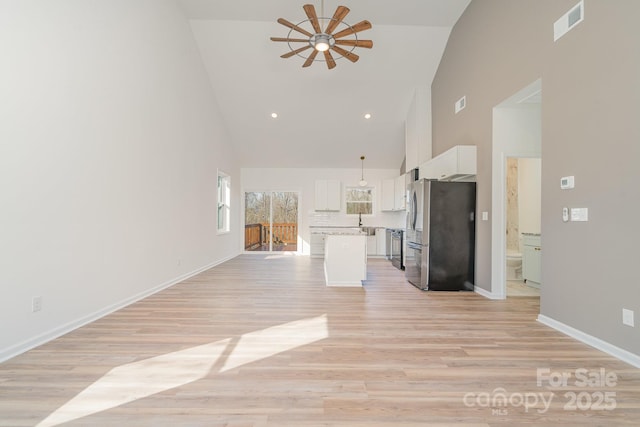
(369, 231)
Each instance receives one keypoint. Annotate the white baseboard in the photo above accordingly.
(15, 350)
(487, 294)
(617, 352)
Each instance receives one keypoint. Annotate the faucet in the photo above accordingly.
(359, 219)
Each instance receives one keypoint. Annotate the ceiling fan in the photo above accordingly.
(323, 39)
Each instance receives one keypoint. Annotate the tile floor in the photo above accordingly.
(518, 288)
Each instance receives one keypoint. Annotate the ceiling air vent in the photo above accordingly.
(568, 21)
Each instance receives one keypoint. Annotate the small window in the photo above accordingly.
(359, 200)
(224, 202)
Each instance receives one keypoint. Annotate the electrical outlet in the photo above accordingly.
(627, 317)
(36, 304)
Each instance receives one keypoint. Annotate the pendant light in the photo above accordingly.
(363, 183)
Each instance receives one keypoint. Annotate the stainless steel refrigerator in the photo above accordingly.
(440, 235)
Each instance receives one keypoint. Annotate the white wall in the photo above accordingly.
(110, 140)
(303, 181)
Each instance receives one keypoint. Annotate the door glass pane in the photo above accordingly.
(257, 214)
(271, 221)
(285, 221)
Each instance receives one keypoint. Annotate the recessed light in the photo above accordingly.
(367, 116)
(274, 115)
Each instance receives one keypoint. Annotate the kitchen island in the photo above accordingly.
(376, 235)
(345, 259)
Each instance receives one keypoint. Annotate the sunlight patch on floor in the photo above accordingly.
(137, 380)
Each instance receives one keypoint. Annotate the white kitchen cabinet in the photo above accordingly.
(345, 260)
(418, 129)
(377, 244)
(388, 195)
(381, 241)
(531, 258)
(316, 248)
(400, 192)
(455, 164)
(393, 194)
(372, 246)
(327, 195)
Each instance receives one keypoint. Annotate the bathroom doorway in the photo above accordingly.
(517, 134)
(523, 211)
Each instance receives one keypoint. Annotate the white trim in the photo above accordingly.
(502, 150)
(617, 352)
(487, 294)
(45, 337)
(226, 193)
(299, 250)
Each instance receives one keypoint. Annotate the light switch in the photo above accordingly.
(627, 317)
(580, 214)
(485, 216)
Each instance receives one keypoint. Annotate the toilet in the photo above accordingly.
(514, 265)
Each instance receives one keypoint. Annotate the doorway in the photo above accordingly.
(517, 133)
(271, 221)
(523, 211)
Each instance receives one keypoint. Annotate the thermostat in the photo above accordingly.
(567, 182)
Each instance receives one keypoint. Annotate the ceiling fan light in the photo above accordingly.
(321, 42)
(322, 46)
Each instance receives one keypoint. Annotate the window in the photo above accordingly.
(359, 200)
(224, 202)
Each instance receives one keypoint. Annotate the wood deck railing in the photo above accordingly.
(256, 235)
(252, 236)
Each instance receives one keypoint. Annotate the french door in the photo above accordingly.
(271, 221)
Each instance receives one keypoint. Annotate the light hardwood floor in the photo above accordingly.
(261, 341)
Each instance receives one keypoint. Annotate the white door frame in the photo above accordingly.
(503, 148)
(299, 243)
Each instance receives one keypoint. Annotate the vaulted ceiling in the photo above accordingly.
(321, 112)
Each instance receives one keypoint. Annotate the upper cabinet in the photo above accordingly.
(327, 195)
(400, 194)
(393, 194)
(418, 129)
(388, 195)
(456, 164)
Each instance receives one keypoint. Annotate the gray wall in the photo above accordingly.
(590, 129)
(110, 139)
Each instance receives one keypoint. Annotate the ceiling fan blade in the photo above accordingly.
(338, 16)
(357, 43)
(310, 59)
(284, 39)
(331, 63)
(295, 52)
(313, 18)
(294, 27)
(349, 55)
(360, 26)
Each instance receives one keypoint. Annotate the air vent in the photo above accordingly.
(460, 104)
(568, 21)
